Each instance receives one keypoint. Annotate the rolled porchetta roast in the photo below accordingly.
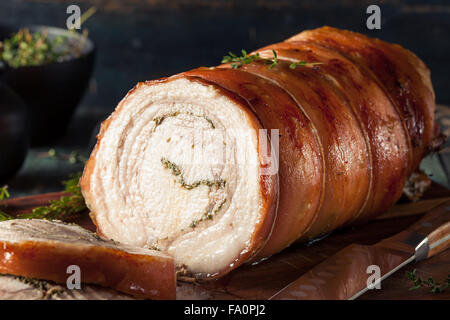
(230, 164)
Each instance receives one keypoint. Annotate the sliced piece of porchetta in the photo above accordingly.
(52, 250)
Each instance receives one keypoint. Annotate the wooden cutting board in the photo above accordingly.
(264, 279)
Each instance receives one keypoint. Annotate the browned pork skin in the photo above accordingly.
(400, 73)
(44, 249)
(351, 129)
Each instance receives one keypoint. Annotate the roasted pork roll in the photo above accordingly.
(230, 164)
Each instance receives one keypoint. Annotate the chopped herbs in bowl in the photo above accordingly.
(49, 68)
(34, 48)
(30, 49)
(39, 46)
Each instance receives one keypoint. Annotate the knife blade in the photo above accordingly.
(345, 275)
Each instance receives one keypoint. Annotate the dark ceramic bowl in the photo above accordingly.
(51, 91)
(14, 133)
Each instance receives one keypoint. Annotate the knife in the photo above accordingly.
(345, 275)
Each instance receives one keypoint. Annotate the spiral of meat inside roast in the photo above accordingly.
(179, 172)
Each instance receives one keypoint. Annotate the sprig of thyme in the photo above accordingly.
(239, 61)
(434, 286)
(64, 207)
(4, 196)
(274, 61)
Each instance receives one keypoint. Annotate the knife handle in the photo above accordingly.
(434, 228)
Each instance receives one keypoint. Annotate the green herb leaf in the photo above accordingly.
(434, 286)
(237, 62)
(4, 216)
(65, 207)
(274, 60)
(4, 196)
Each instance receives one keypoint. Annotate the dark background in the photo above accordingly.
(141, 40)
(147, 39)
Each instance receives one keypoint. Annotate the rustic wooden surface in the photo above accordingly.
(262, 280)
